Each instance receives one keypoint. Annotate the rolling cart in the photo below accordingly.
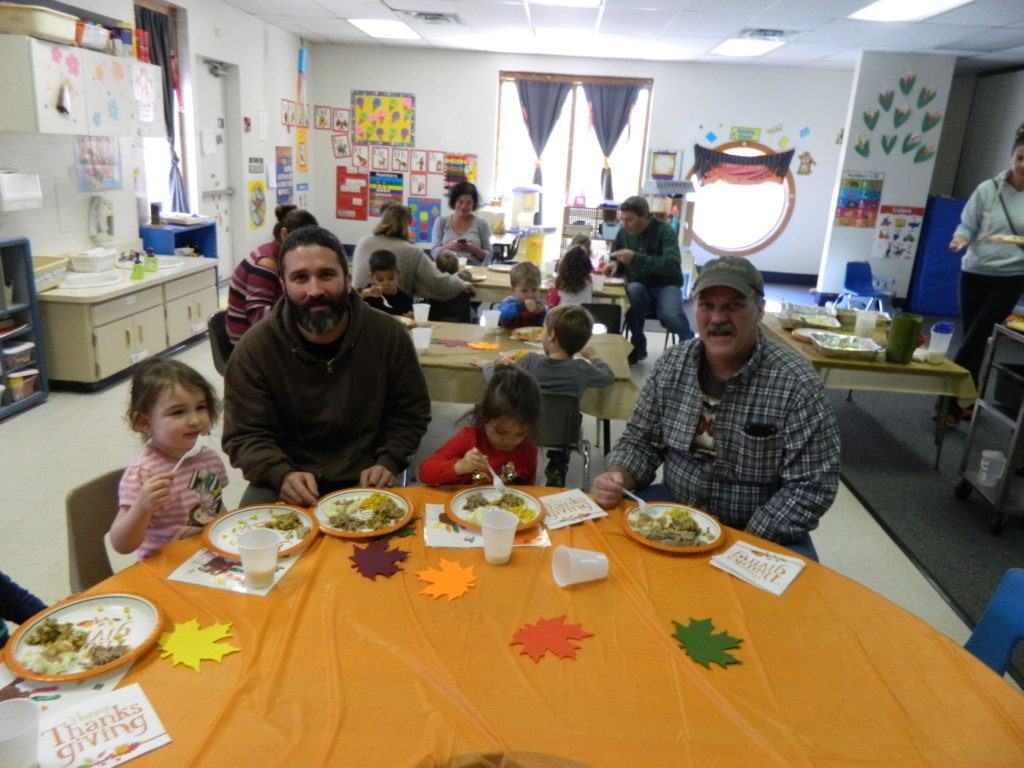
(997, 426)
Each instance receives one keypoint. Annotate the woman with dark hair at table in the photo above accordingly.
(463, 231)
(255, 286)
(418, 276)
(992, 269)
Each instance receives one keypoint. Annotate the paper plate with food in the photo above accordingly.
(518, 354)
(296, 526)
(82, 637)
(500, 267)
(528, 333)
(358, 513)
(476, 277)
(672, 527)
(408, 322)
(466, 507)
(614, 281)
(1014, 239)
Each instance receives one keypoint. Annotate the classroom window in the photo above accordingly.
(740, 219)
(572, 159)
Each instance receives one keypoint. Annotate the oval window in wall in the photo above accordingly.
(740, 219)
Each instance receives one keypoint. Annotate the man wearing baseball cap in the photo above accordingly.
(740, 424)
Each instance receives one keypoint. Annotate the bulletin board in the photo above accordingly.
(383, 117)
(351, 195)
(425, 211)
(385, 187)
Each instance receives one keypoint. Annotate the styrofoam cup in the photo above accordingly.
(19, 733)
(489, 320)
(499, 527)
(421, 313)
(463, 262)
(421, 338)
(597, 280)
(258, 548)
(575, 566)
(865, 323)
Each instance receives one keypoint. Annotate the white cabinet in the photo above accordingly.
(51, 88)
(90, 335)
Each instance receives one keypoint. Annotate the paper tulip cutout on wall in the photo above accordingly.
(888, 142)
(863, 146)
(930, 120)
(910, 143)
(907, 83)
(871, 119)
(900, 116)
(885, 99)
(924, 153)
(925, 96)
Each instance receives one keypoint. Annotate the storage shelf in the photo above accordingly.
(18, 278)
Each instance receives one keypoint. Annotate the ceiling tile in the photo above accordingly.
(643, 23)
(991, 40)
(986, 13)
(549, 17)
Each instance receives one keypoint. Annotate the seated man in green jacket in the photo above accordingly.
(324, 393)
(646, 254)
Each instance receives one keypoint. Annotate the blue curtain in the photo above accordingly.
(610, 106)
(158, 27)
(541, 101)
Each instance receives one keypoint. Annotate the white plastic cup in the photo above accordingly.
(938, 341)
(19, 733)
(463, 263)
(421, 338)
(574, 566)
(499, 527)
(421, 313)
(990, 467)
(489, 320)
(258, 548)
(597, 280)
(865, 323)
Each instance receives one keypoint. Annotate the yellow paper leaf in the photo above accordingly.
(188, 644)
(451, 579)
(483, 345)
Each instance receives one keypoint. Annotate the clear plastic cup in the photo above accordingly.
(597, 280)
(938, 341)
(421, 338)
(865, 323)
(258, 548)
(19, 733)
(574, 566)
(991, 467)
(499, 527)
(489, 320)
(463, 263)
(421, 313)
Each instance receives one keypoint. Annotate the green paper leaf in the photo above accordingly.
(704, 647)
(409, 529)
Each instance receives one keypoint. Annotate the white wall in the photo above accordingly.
(997, 112)
(457, 102)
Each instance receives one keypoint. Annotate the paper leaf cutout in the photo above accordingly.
(550, 635)
(910, 143)
(450, 342)
(930, 120)
(925, 96)
(483, 345)
(871, 119)
(900, 116)
(907, 83)
(862, 147)
(188, 644)
(888, 142)
(409, 529)
(375, 559)
(704, 647)
(451, 580)
(924, 153)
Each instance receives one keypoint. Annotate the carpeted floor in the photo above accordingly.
(888, 454)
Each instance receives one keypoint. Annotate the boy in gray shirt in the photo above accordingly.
(567, 330)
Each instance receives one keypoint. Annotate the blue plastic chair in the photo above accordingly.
(861, 285)
(1002, 624)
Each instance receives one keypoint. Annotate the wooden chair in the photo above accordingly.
(220, 344)
(90, 509)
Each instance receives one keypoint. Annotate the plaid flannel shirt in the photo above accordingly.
(776, 464)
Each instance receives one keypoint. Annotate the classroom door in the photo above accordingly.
(213, 133)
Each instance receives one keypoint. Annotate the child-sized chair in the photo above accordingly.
(860, 285)
(91, 508)
(1002, 624)
(561, 426)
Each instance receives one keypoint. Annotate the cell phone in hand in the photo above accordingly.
(463, 240)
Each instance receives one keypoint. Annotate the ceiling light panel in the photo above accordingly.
(905, 10)
(744, 47)
(385, 29)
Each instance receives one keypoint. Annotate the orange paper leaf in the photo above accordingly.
(483, 345)
(550, 635)
(451, 579)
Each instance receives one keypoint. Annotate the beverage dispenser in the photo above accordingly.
(525, 203)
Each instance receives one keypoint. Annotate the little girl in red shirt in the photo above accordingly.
(497, 437)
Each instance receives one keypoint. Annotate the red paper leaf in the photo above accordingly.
(375, 559)
(550, 635)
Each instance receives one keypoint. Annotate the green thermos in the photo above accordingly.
(903, 338)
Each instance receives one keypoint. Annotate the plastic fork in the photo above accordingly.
(637, 499)
(200, 442)
(385, 300)
(498, 484)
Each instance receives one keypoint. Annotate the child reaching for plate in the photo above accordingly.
(172, 406)
(496, 437)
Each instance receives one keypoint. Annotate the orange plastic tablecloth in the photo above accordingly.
(336, 669)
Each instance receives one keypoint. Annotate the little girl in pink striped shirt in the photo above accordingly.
(172, 406)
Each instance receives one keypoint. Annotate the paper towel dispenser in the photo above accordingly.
(19, 191)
